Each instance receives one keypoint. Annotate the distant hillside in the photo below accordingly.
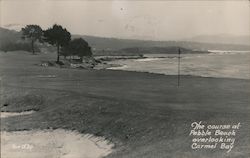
(101, 43)
(114, 44)
(223, 38)
(9, 36)
(158, 50)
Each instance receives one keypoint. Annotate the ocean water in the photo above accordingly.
(222, 64)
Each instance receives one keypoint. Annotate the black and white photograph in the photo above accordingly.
(125, 78)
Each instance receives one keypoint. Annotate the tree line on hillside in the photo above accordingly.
(58, 37)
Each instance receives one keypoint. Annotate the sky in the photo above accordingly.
(140, 19)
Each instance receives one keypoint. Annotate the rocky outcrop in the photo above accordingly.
(86, 63)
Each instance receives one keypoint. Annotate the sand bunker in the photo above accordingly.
(52, 143)
(11, 114)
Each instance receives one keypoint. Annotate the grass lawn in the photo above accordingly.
(145, 115)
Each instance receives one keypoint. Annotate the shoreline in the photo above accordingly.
(155, 64)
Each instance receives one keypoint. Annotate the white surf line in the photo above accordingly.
(11, 114)
(148, 59)
(53, 143)
(46, 76)
(118, 67)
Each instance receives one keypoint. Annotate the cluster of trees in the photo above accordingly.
(58, 37)
(77, 47)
